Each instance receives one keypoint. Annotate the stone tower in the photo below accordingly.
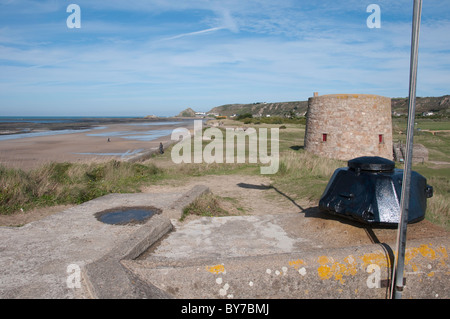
(345, 126)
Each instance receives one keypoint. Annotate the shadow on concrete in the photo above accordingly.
(264, 187)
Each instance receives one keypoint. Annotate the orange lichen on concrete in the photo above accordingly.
(338, 270)
(379, 259)
(329, 268)
(426, 251)
(297, 263)
(216, 269)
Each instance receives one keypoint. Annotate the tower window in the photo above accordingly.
(324, 137)
(380, 138)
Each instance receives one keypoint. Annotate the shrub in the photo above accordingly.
(244, 116)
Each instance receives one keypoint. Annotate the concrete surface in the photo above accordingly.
(38, 259)
(269, 256)
(291, 255)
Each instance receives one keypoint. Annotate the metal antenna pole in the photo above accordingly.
(397, 276)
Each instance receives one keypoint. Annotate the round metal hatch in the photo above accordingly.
(371, 163)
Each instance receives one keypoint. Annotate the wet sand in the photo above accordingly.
(81, 145)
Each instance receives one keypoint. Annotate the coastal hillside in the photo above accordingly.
(297, 108)
(187, 113)
(435, 105)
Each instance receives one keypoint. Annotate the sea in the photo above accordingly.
(41, 127)
(44, 119)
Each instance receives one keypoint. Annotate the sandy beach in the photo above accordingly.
(84, 141)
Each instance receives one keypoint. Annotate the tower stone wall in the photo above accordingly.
(345, 126)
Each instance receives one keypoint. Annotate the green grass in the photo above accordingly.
(437, 176)
(423, 123)
(303, 175)
(438, 206)
(67, 183)
(432, 124)
(438, 145)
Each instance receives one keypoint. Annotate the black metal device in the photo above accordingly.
(369, 191)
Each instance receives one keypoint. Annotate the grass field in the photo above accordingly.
(301, 175)
(437, 168)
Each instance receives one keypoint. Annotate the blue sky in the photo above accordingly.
(137, 57)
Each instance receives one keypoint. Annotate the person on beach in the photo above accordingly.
(161, 148)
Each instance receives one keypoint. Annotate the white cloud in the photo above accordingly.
(194, 33)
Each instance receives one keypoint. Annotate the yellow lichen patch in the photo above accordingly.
(426, 251)
(329, 268)
(325, 260)
(336, 269)
(443, 253)
(423, 250)
(352, 264)
(324, 270)
(216, 269)
(379, 259)
(297, 263)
